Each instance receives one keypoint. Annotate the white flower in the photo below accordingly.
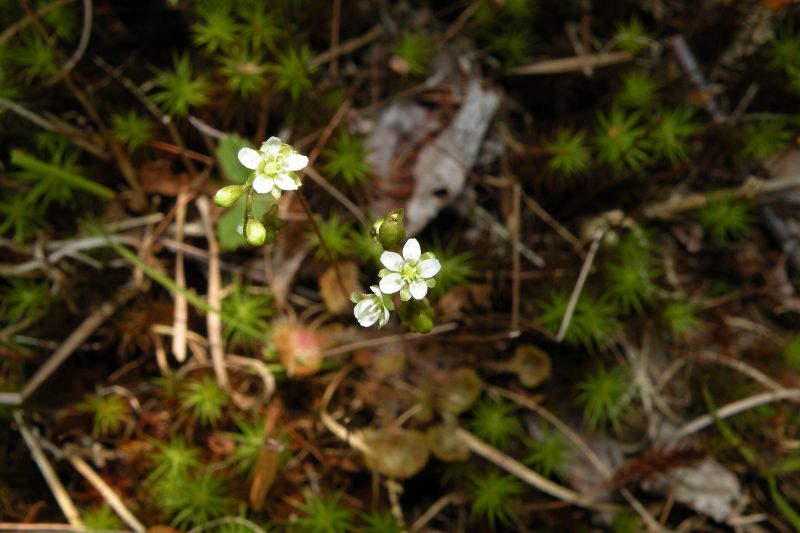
(275, 165)
(411, 274)
(371, 308)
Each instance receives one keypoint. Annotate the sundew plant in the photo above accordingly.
(350, 266)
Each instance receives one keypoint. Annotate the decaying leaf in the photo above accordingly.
(335, 297)
(708, 488)
(440, 171)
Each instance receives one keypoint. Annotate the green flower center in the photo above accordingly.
(409, 271)
(270, 167)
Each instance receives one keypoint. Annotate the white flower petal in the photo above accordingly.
(376, 290)
(366, 312)
(263, 183)
(295, 162)
(369, 319)
(419, 289)
(271, 146)
(276, 193)
(391, 283)
(392, 261)
(429, 268)
(285, 182)
(411, 251)
(249, 158)
(385, 317)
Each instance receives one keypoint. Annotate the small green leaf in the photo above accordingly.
(227, 154)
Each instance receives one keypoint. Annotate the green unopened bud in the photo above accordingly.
(421, 322)
(391, 231)
(254, 232)
(228, 195)
(417, 315)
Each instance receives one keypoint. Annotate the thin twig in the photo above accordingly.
(337, 195)
(106, 492)
(77, 337)
(435, 509)
(387, 339)
(524, 473)
(579, 444)
(24, 21)
(56, 487)
(75, 135)
(514, 223)
(335, 19)
(346, 47)
(86, 32)
(572, 64)
(213, 320)
(576, 291)
(534, 206)
(38, 527)
(737, 407)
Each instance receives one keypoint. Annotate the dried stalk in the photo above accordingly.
(59, 492)
(106, 492)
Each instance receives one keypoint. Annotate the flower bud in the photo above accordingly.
(421, 322)
(391, 231)
(228, 195)
(254, 232)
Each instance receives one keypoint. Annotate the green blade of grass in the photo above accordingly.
(28, 162)
(167, 283)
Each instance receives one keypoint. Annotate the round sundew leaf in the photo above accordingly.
(445, 444)
(397, 453)
(530, 364)
(460, 390)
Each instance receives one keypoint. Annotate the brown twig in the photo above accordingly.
(56, 487)
(76, 56)
(514, 467)
(77, 337)
(335, 19)
(106, 492)
(571, 64)
(567, 235)
(514, 225)
(576, 291)
(346, 47)
(737, 407)
(28, 19)
(387, 339)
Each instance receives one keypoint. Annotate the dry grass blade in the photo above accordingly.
(213, 320)
(572, 64)
(56, 487)
(106, 492)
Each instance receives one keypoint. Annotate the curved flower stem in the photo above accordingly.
(315, 226)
